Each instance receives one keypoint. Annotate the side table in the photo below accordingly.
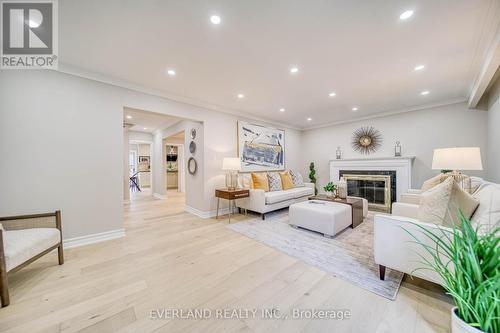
(230, 195)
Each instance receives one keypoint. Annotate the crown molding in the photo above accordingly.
(390, 113)
(76, 71)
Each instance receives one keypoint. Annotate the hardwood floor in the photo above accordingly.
(171, 259)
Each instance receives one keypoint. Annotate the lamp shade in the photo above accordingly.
(460, 158)
(231, 163)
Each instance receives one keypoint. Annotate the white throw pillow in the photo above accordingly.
(434, 203)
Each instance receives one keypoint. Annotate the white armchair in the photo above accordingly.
(394, 243)
(395, 246)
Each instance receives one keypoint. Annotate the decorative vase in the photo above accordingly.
(460, 326)
(342, 189)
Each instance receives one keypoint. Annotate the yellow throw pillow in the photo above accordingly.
(259, 181)
(286, 180)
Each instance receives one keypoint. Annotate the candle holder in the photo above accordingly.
(397, 149)
(338, 153)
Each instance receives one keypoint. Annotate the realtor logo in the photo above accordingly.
(29, 34)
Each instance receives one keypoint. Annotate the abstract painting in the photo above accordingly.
(260, 148)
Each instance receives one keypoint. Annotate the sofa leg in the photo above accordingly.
(60, 254)
(4, 285)
(263, 216)
(381, 270)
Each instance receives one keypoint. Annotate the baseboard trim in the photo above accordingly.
(159, 196)
(93, 238)
(205, 214)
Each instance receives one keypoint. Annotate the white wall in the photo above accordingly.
(419, 133)
(58, 165)
(140, 136)
(494, 132)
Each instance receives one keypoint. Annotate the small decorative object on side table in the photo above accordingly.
(231, 195)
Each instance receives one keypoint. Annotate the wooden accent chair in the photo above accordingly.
(24, 239)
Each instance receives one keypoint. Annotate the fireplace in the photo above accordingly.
(378, 187)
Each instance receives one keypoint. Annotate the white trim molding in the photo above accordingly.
(402, 166)
(93, 238)
(205, 214)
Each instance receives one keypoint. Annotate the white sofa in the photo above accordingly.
(395, 248)
(265, 202)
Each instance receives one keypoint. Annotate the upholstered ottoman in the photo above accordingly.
(328, 218)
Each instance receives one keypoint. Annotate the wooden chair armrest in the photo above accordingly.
(46, 220)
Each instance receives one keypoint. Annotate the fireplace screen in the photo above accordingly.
(374, 188)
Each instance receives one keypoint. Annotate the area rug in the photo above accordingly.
(348, 256)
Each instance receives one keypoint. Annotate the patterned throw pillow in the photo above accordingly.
(297, 179)
(274, 181)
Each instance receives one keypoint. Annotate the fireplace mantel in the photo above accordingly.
(401, 165)
(375, 158)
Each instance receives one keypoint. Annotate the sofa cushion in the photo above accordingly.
(260, 181)
(286, 180)
(22, 245)
(487, 215)
(299, 192)
(278, 196)
(274, 180)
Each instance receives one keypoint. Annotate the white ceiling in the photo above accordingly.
(149, 122)
(359, 49)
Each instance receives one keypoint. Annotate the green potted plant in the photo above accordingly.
(469, 264)
(312, 176)
(331, 188)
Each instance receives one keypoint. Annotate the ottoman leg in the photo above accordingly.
(328, 236)
(294, 226)
(381, 270)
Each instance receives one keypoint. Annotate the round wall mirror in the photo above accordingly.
(192, 166)
(192, 147)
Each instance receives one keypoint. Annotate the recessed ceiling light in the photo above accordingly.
(294, 70)
(332, 94)
(241, 96)
(309, 119)
(129, 117)
(406, 15)
(215, 19)
(282, 110)
(419, 67)
(171, 72)
(355, 108)
(145, 128)
(425, 92)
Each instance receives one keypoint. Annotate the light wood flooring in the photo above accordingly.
(171, 259)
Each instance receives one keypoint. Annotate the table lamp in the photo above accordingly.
(458, 159)
(232, 165)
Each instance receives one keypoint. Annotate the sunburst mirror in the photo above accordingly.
(366, 140)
